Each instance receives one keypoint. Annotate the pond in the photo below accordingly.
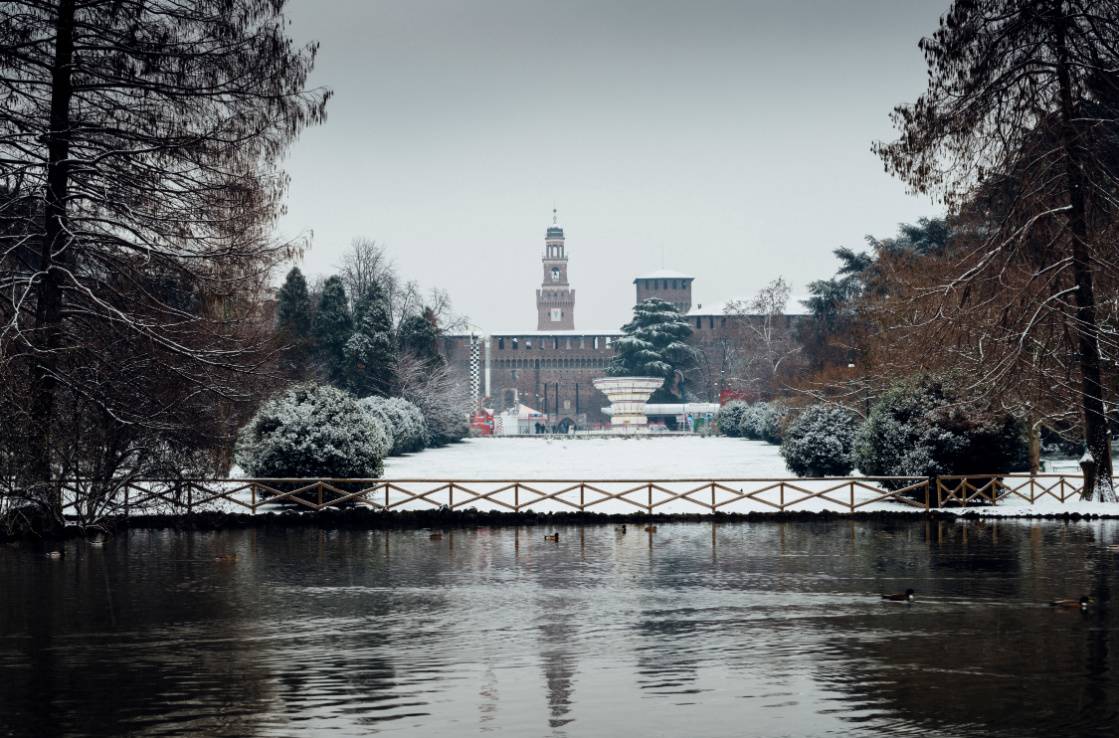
(697, 629)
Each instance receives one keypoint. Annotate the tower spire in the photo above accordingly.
(555, 216)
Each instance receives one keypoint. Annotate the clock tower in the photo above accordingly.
(555, 300)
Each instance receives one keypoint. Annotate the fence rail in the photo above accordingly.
(88, 500)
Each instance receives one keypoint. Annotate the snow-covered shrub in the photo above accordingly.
(763, 421)
(403, 420)
(919, 428)
(313, 431)
(730, 417)
(446, 425)
(441, 395)
(820, 442)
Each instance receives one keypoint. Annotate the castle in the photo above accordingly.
(551, 369)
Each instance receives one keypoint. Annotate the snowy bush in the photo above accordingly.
(762, 421)
(403, 420)
(729, 418)
(441, 395)
(313, 431)
(446, 425)
(919, 428)
(820, 442)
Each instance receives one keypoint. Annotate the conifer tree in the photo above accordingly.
(293, 324)
(655, 345)
(142, 134)
(331, 328)
(419, 336)
(1022, 111)
(370, 351)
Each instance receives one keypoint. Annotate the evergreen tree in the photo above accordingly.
(419, 336)
(293, 311)
(331, 329)
(293, 324)
(370, 352)
(654, 346)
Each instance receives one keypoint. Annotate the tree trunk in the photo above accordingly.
(1035, 445)
(53, 256)
(1096, 435)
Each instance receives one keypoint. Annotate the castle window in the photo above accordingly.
(568, 344)
(501, 344)
(555, 274)
(699, 322)
(596, 343)
(528, 344)
(515, 341)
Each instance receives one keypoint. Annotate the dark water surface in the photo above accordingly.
(752, 629)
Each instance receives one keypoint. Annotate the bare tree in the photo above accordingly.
(760, 345)
(442, 395)
(367, 266)
(141, 134)
(1022, 108)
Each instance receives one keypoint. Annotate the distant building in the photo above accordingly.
(551, 370)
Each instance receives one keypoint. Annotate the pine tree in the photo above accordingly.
(419, 336)
(654, 346)
(331, 328)
(293, 324)
(293, 311)
(370, 351)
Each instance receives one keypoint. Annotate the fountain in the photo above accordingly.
(628, 396)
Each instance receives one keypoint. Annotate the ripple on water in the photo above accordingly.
(759, 629)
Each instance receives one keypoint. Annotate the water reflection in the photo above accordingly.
(696, 629)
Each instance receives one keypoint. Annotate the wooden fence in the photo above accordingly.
(845, 494)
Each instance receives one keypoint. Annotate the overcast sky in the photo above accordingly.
(726, 139)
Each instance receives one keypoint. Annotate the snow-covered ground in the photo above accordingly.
(675, 457)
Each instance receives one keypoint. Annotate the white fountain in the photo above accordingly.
(628, 396)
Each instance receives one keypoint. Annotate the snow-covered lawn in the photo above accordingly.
(674, 457)
(668, 462)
